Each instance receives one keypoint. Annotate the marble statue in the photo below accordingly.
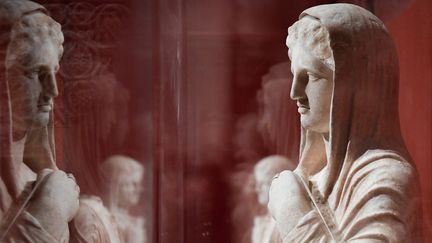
(123, 177)
(355, 181)
(36, 199)
(263, 230)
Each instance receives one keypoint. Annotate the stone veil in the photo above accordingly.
(363, 185)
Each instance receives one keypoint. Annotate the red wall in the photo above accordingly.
(412, 31)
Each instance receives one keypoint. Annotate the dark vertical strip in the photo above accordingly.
(155, 121)
(183, 111)
(370, 6)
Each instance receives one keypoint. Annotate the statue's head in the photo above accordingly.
(32, 61)
(312, 65)
(123, 177)
(265, 170)
(345, 83)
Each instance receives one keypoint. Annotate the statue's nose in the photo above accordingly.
(297, 89)
(50, 85)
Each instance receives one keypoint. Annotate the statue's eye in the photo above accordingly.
(31, 73)
(42, 76)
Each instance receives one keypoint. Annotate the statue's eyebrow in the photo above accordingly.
(320, 68)
(323, 69)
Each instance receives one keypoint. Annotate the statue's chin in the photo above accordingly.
(21, 125)
(40, 120)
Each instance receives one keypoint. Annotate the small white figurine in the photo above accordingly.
(123, 177)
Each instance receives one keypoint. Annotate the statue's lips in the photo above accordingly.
(44, 107)
(302, 109)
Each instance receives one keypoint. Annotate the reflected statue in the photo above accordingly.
(264, 230)
(243, 203)
(278, 118)
(93, 223)
(248, 144)
(249, 148)
(123, 177)
(96, 126)
(37, 200)
(355, 181)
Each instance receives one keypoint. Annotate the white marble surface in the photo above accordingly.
(354, 181)
(38, 200)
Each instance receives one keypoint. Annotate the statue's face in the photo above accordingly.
(262, 186)
(130, 190)
(312, 88)
(33, 85)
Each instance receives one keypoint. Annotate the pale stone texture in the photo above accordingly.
(355, 181)
(94, 223)
(123, 178)
(37, 199)
(263, 230)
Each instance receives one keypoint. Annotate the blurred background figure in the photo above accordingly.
(278, 117)
(93, 223)
(270, 131)
(248, 142)
(264, 230)
(95, 109)
(248, 149)
(122, 179)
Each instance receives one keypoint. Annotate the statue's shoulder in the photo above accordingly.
(385, 167)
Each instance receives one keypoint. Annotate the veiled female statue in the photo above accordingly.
(36, 199)
(355, 181)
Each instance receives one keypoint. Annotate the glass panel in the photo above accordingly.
(174, 115)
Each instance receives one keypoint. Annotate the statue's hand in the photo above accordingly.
(288, 201)
(56, 200)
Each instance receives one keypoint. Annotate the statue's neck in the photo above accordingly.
(121, 210)
(17, 152)
(18, 134)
